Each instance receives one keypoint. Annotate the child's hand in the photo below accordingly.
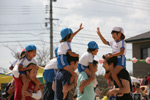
(75, 79)
(80, 28)
(98, 31)
(111, 92)
(28, 94)
(109, 56)
(81, 89)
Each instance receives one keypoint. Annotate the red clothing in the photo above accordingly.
(18, 89)
(148, 79)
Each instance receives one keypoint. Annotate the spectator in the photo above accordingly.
(147, 91)
(148, 78)
(144, 98)
(139, 90)
(97, 91)
(146, 81)
(8, 93)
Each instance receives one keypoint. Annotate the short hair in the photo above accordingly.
(122, 36)
(95, 62)
(71, 58)
(90, 50)
(111, 60)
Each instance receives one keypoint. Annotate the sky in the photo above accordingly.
(22, 22)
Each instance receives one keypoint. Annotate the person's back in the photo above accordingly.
(123, 74)
(88, 93)
(62, 77)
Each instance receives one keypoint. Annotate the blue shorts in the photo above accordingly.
(62, 61)
(49, 75)
(121, 61)
(81, 67)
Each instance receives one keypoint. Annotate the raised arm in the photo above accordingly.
(101, 37)
(80, 28)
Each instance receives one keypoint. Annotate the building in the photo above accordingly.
(141, 50)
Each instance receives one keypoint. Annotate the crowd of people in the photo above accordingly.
(142, 88)
(60, 76)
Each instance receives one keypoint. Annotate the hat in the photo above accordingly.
(119, 29)
(30, 47)
(23, 50)
(93, 45)
(64, 32)
(56, 49)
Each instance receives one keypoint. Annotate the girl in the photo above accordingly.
(22, 66)
(86, 60)
(118, 48)
(64, 48)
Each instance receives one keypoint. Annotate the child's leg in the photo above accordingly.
(25, 85)
(88, 72)
(37, 85)
(115, 73)
(74, 75)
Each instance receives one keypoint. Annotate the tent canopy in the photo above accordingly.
(134, 80)
(6, 78)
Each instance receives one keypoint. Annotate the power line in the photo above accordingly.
(18, 41)
(23, 23)
(25, 30)
(117, 4)
(131, 3)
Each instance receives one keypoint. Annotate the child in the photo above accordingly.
(49, 73)
(22, 66)
(20, 57)
(118, 48)
(86, 60)
(64, 48)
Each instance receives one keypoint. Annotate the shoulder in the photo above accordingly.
(124, 74)
(64, 73)
(122, 42)
(83, 74)
(23, 59)
(89, 54)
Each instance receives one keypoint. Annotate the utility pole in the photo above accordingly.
(51, 29)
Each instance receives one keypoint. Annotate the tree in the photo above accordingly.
(42, 56)
(3, 70)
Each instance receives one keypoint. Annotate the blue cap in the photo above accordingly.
(93, 45)
(56, 49)
(30, 47)
(64, 32)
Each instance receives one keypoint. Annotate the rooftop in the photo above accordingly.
(139, 38)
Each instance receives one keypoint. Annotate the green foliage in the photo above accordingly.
(102, 82)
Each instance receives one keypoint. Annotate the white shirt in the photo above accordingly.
(95, 83)
(116, 46)
(148, 90)
(86, 58)
(25, 62)
(52, 64)
(63, 48)
(16, 74)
